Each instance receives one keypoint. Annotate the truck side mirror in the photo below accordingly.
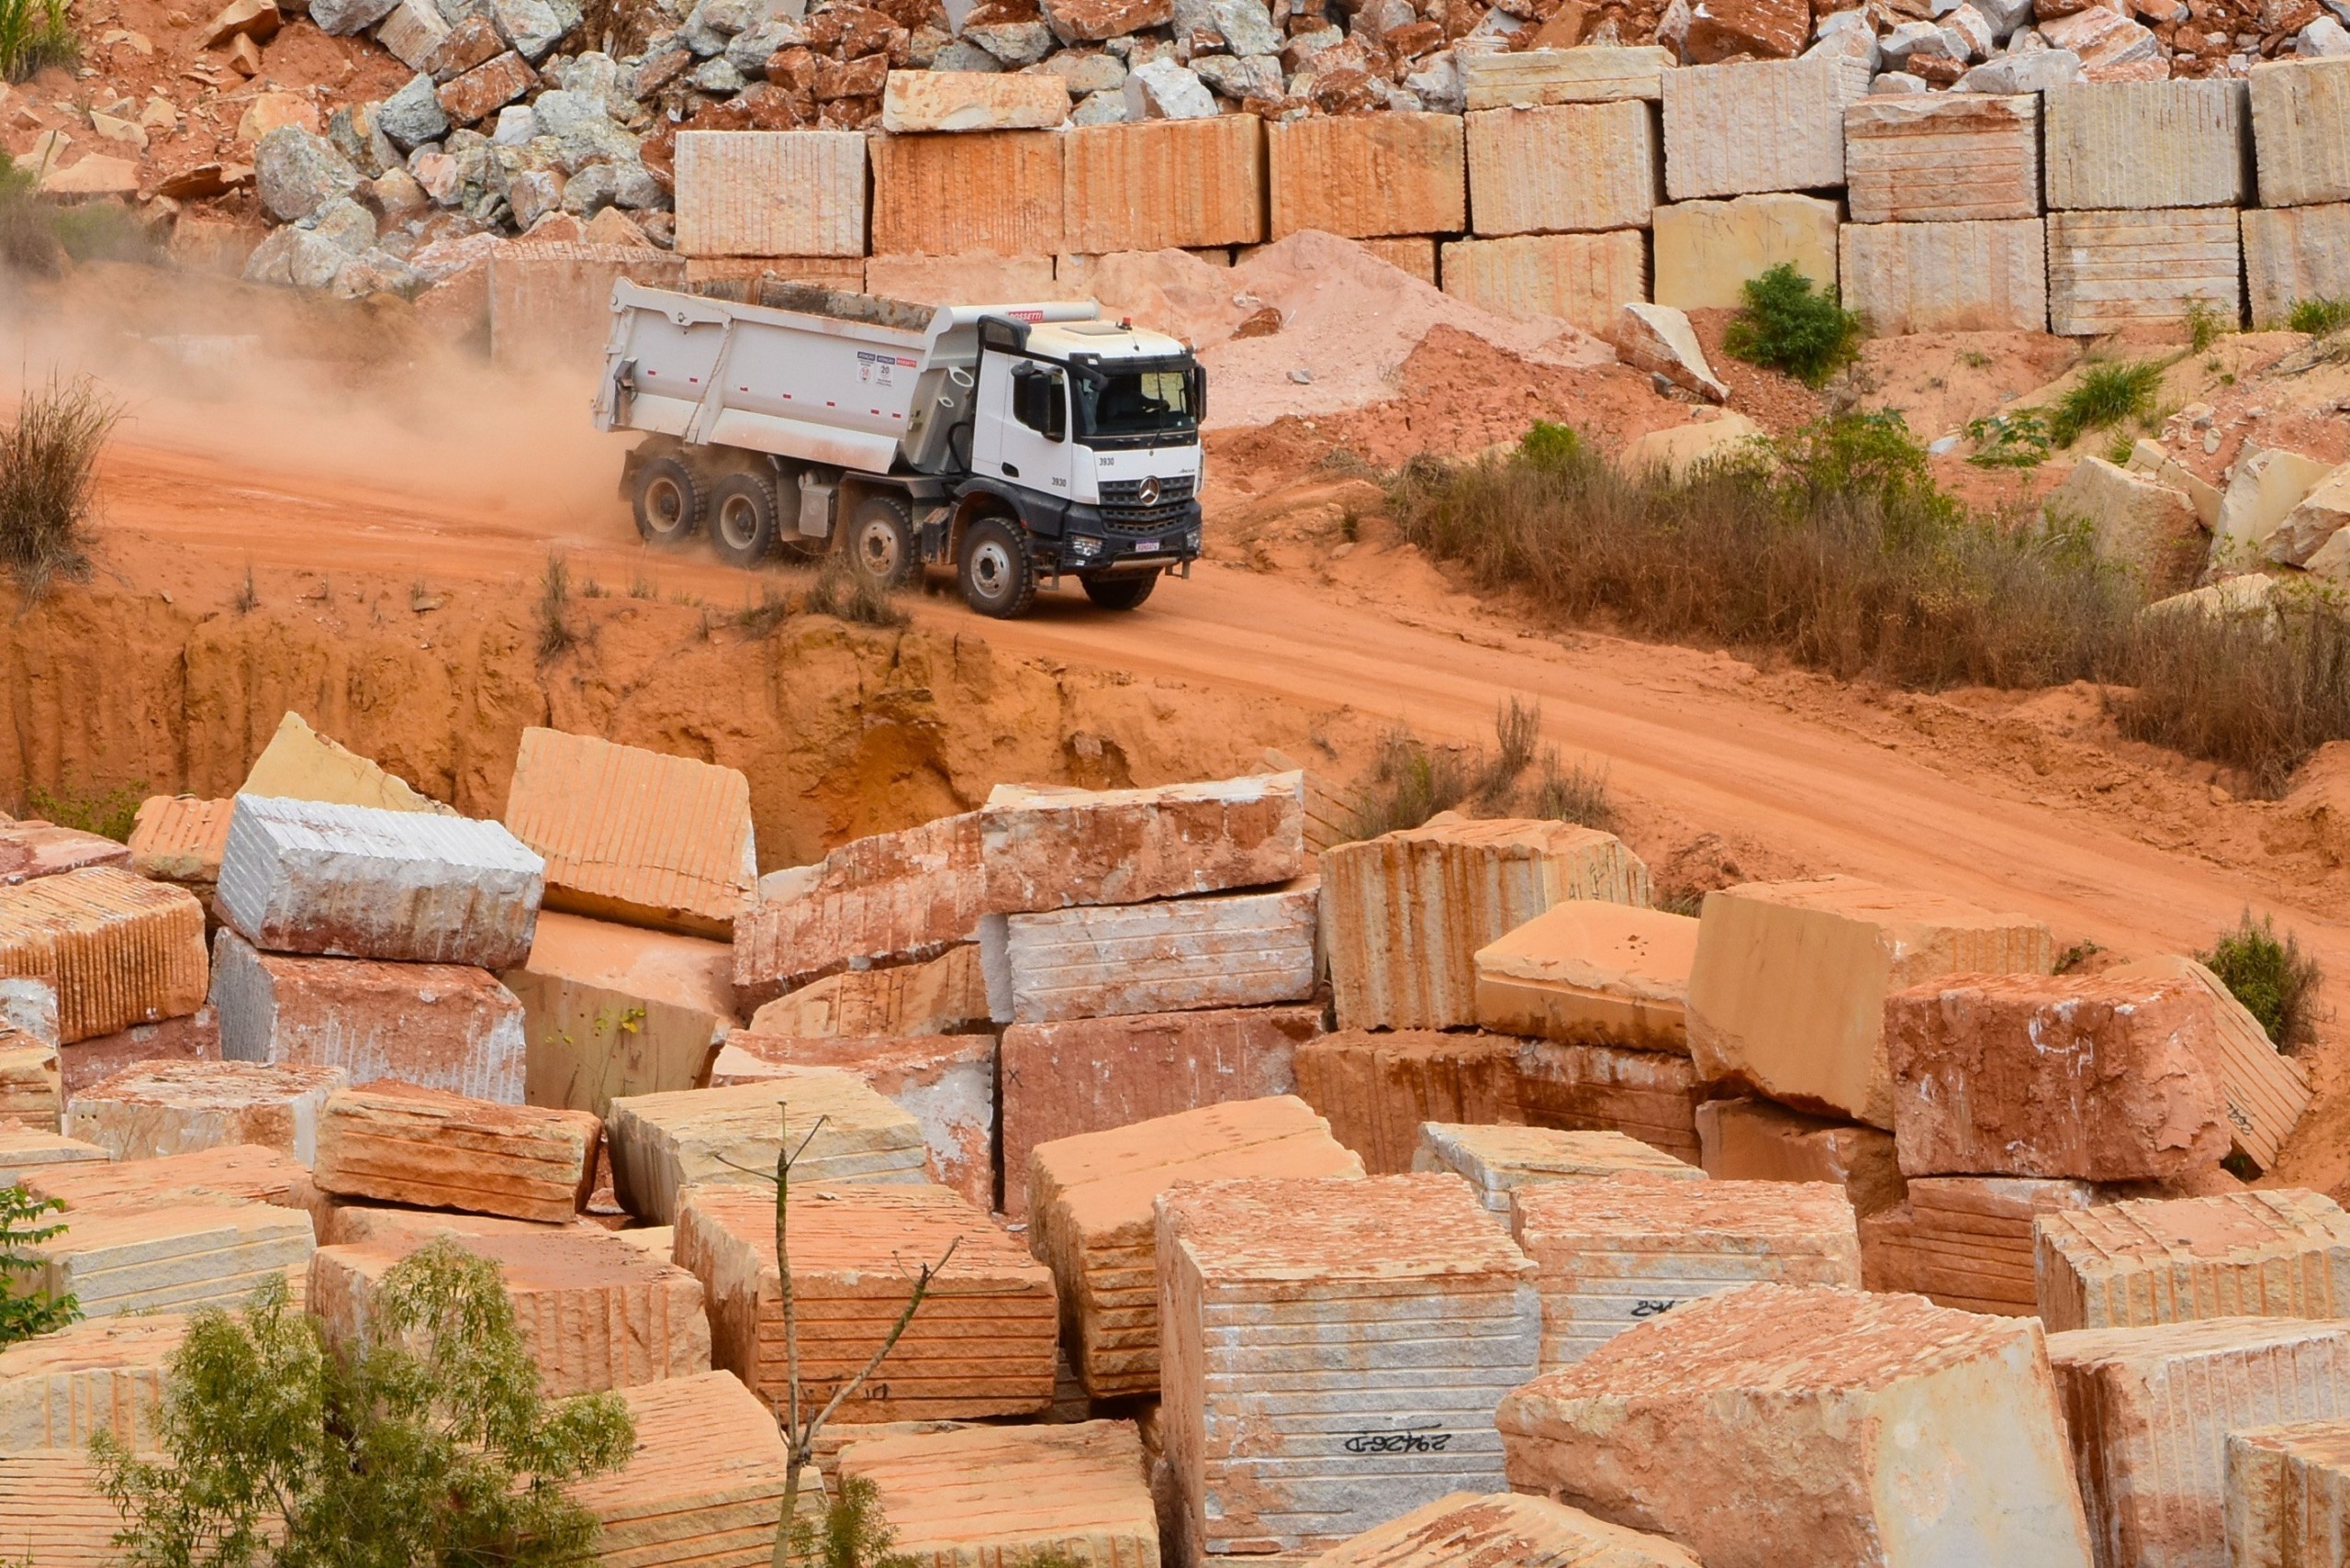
(1199, 395)
(1056, 406)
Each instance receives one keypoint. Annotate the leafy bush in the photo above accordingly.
(1548, 445)
(2105, 396)
(25, 1313)
(109, 813)
(48, 478)
(2009, 441)
(1789, 324)
(851, 1534)
(2274, 979)
(429, 1445)
(34, 34)
(2319, 317)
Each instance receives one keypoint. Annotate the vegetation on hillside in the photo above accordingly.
(49, 456)
(1787, 323)
(26, 1310)
(2274, 979)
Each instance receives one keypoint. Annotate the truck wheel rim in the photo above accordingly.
(877, 547)
(991, 569)
(738, 523)
(665, 505)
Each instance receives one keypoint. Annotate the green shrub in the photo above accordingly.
(2319, 317)
(2274, 979)
(34, 34)
(48, 457)
(2205, 325)
(109, 813)
(1787, 324)
(852, 1532)
(1546, 445)
(25, 1313)
(2009, 441)
(2105, 396)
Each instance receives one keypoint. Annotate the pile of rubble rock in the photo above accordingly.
(1305, 1196)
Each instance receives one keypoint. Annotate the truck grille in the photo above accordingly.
(1123, 508)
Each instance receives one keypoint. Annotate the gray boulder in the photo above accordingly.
(1258, 77)
(344, 17)
(963, 55)
(1014, 43)
(296, 173)
(1248, 27)
(296, 258)
(1164, 90)
(2035, 71)
(532, 27)
(748, 53)
(1107, 107)
(413, 116)
(582, 131)
(718, 77)
(345, 223)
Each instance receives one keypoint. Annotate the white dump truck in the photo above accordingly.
(1017, 443)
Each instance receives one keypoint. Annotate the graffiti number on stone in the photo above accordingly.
(1416, 1440)
(1653, 1308)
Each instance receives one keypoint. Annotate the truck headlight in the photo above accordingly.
(1191, 540)
(1084, 547)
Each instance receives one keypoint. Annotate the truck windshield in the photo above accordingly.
(1152, 398)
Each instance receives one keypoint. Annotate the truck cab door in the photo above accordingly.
(1020, 431)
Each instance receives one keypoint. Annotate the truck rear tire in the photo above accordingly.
(742, 519)
(999, 577)
(1125, 590)
(669, 502)
(880, 547)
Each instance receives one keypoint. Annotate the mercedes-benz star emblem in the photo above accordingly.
(1148, 492)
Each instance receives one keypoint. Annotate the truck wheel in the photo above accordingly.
(1125, 591)
(999, 579)
(881, 548)
(669, 502)
(742, 518)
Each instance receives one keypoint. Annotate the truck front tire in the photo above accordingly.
(742, 518)
(881, 547)
(1123, 590)
(669, 502)
(999, 578)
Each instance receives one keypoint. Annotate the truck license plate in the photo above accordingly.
(1144, 547)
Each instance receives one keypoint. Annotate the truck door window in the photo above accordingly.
(1040, 401)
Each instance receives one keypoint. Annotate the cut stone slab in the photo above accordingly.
(1569, 168)
(600, 1019)
(1535, 77)
(2293, 253)
(1652, 1097)
(704, 1488)
(1359, 176)
(30, 1006)
(178, 1107)
(947, 995)
(1228, 950)
(1090, 1075)
(1404, 914)
(946, 1083)
(1589, 972)
(2147, 526)
(2322, 514)
(1706, 251)
(755, 193)
(1150, 185)
(117, 949)
(2055, 1075)
(1966, 1241)
(1092, 1218)
(1660, 339)
(1946, 277)
(1808, 1424)
(2153, 460)
(2275, 1253)
(180, 839)
(1582, 279)
(662, 1143)
(30, 1091)
(1324, 1341)
(1377, 1088)
(885, 898)
(2263, 487)
(358, 882)
(2149, 144)
(233, 1173)
(2150, 1410)
(54, 1511)
(972, 100)
(1613, 1254)
(351, 1224)
(989, 1495)
(399, 1143)
(59, 1390)
(2288, 1494)
(438, 1026)
(1469, 1528)
(2267, 1091)
(1773, 125)
(300, 764)
(1682, 449)
(1755, 1140)
(1052, 849)
(982, 1345)
(196, 1037)
(594, 1312)
(1943, 158)
(2111, 270)
(1498, 1160)
(171, 1258)
(25, 1151)
(634, 835)
(32, 848)
(995, 191)
(1788, 986)
(2300, 112)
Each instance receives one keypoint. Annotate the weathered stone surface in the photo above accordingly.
(412, 31)
(1096, 961)
(231, 1173)
(705, 1484)
(1788, 986)
(594, 1312)
(1094, 1074)
(546, 297)
(1773, 125)
(2110, 47)
(1376, 1089)
(1791, 1424)
(2150, 1410)
(1074, 21)
(1053, 848)
(1404, 914)
(1943, 158)
(2151, 460)
(29, 1093)
(404, 1145)
(117, 949)
(1092, 1218)
(983, 1494)
(634, 835)
(661, 1143)
(2062, 1076)
(33, 848)
(2111, 270)
(105, 1375)
(2141, 523)
(1705, 250)
(2149, 144)
(195, 1038)
(1591, 972)
(1572, 167)
(1592, 75)
(611, 1010)
(2316, 519)
(178, 1107)
(1964, 1241)
(1323, 1338)
(981, 1346)
(178, 838)
(2267, 1091)
(1498, 1160)
(2293, 253)
(994, 191)
(1582, 279)
(438, 1026)
(487, 88)
(357, 882)
(1360, 175)
(1723, 30)
(2287, 1495)
(349, 1224)
(1755, 1140)
(2277, 1253)
(1649, 1094)
(300, 764)
(887, 898)
(54, 1509)
(1660, 339)
(2300, 112)
(25, 1151)
(1953, 277)
(945, 995)
(946, 1083)
(1473, 1528)
(1613, 1254)
(1162, 183)
(170, 1257)
(2263, 487)
(972, 100)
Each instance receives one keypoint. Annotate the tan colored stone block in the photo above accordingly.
(35, 848)
(2267, 1091)
(1808, 1424)
(1569, 168)
(24, 1151)
(1590, 973)
(972, 100)
(982, 1496)
(170, 1257)
(62, 1389)
(2142, 523)
(1097, 962)
(551, 302)
(1946, 277)
(1649, 1094)
(1755, 1140)
(2263, 487)
(1416, 254)
(172, 1107)
(354, 1224)
(1582, 279)
(399, 1143)
(1155, 183)
(300, 764)
(982, 1345)
(1467, 1526)
(1788, 986)
(705, 1486)
(589, 1043)
(1362, 175)
(30, 1091)
(662, 1143)
(2277, 1253)
(1680, 451)
(118, 949)
(195, 1038)
(998, 191)
(1092, 1218)
(958, 280)
(1943, 158)
(944, 996)
(2153, 461)
(881, 900)
(759, 193)
(2301, 110)
(2111, 270)
(2293, 253)
(54, 1511)
(2287, 1495)
(1498, 1160)
(232, 1173)
(1706, 251)
(1775, 125)
(2148, 144)
(1589, 74)
(178, 838)
(1054, 849)
(1377, 1088)
(1964, 1241)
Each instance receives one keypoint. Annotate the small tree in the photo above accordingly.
(429, 1447)
(2275, 979)
(24, 1314)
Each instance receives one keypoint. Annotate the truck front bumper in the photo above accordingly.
(1089, 545)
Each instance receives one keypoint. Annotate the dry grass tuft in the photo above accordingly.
(48, 478)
